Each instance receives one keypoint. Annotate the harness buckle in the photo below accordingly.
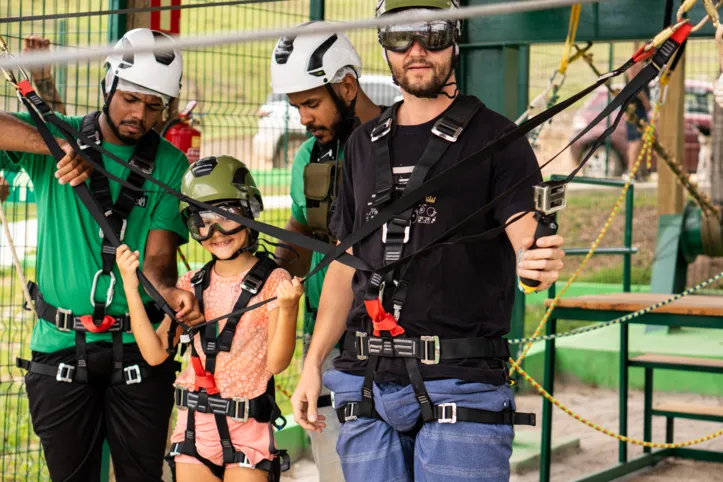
(430, 354)
(446, 130)
(362, 352)
(246, 462)
(122, 233)
(180, 394)
(132, 374)
(381, 130)
(95, 137)
(175, 449)
(251, 285)
(108, 294)
(349, 410)
(64, 319)
(384, 233)
(65, 373)
(145, 167)
(236, 411)
(447, 413)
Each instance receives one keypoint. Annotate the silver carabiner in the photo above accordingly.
(111, 289)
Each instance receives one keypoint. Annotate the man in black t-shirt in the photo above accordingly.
(421, 385)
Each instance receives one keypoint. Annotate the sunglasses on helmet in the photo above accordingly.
(436, 35)
(202, 224)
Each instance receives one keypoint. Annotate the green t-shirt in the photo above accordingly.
(69, 245)
(312, 287)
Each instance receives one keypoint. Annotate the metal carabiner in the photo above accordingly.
(111, 289)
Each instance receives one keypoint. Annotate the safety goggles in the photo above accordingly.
(435, 35)
(202, 224)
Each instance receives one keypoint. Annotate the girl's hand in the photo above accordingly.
(128, 262)
(289, 292)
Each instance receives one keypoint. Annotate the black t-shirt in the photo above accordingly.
(458, 291)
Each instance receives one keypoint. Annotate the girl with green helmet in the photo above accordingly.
(228, 388)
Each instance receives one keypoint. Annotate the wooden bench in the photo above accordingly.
(693, 311)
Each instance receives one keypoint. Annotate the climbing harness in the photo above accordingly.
(205, 395)
(384, 336)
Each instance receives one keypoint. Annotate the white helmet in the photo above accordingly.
(304, 62)
(158, 72)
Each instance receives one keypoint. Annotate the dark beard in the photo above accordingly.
(129, 141)
(433, 88)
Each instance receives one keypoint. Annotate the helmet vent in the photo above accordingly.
(129, 57)
(316, 61)
(239, 177)
(284, 49)
(163, 57)
(204, 167)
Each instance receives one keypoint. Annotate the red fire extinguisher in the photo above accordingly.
(181, 133)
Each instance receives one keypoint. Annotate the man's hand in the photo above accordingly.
(543, 263)
(72, 169)
(4, 189)
(305, 398)
(185, 304)
(36, 43)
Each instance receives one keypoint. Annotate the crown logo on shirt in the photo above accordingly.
(430, 199)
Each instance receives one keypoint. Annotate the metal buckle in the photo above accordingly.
(122, 234)
(109, 293)
(175, 449)
(237, 401)
(246, 462)
(96, 136)
(427, 357)
(360, 355)
(178, 397)
(452, 132)
(66, 315)
(65, 373)
(251, 285)
(349, 411)
(385, 129)
(145, 167)
(406, 234)
(443, 417)
(133, 374)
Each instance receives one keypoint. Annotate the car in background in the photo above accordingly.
(697, 117)
(280, 132)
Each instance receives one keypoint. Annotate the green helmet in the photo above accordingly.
(221, 178)
(385, 6)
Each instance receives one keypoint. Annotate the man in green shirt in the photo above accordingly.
(87, 381)
(319, 73)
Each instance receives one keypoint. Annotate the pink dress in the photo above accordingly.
(242, 372)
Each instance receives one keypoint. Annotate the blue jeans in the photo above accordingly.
(379, 451)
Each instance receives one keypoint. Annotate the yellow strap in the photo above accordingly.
(570, 41)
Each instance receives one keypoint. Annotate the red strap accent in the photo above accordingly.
(87, 321)
(25, 87)
(382, 320)
(203, 378)
(682, 33)
(641, 55)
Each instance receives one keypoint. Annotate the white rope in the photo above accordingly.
(71, 55)
(16, 259)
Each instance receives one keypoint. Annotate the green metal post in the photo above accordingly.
(548, 384)
(622, 446)
(317, 9)
(648, 408)
(489, 72)
(61, 73)
(117, 24)
(523, 79)
(628, 238)
(669, 430)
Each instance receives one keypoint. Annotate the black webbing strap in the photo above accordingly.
(251, 285)
(382, 140)
(429, 349)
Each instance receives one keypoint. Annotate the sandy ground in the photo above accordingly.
(598, 451)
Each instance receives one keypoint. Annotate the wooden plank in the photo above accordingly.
(670, 126)
(691, 408)
(678, 360)
(629, 302)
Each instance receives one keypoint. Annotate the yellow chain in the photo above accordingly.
(646, 153)
(610, 433)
